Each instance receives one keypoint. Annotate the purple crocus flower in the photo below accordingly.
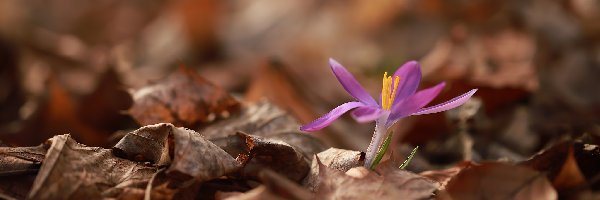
(399, 98)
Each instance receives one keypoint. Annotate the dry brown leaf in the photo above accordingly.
(570, 175)
(495, 180)
(564, 167)
(265, 120)
(338, 159)
(21, 160)
(260, 119)
(146, 144)
(184, 98)
(273, 154)
(392, 184)
(444, 176)
(198, 158)
(72, 170)
(546, 160)
(305, 143)
(18, 169)
(588, 160)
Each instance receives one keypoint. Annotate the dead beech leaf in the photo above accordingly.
(444, 176)
(570, 175)
(302, 143)
(73, 171)
(196, 157)
(494, 180)
(260, 119)
(306, 144)
(396, 184)
(18, 168)
(146, 144)
(546, 160)
(21, 160)
(191, 158)
(184, 98)
(273, 154)
(588, 161)
(338, 159)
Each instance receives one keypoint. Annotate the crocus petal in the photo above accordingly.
(328, 118)
(453, 103)
(367, 114)
(410, 77)
(350, 84)
(414, 102)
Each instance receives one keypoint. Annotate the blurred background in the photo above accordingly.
(67, 65)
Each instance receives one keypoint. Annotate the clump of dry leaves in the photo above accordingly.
(92, 104)
(257, 152)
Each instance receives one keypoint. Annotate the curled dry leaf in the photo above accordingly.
(444, 176)
(588, 162)
(184, 99)
(560, 163)
(338, 159)
(393, 184)
(304, 143)
(18, 168)
(146, 144)
(546, 160)
(21, 160)
(570, 175)
(260, 119)
(495, 180)
(73, 171)
(271, 126)
(273, 154)
(186, 152)
(199, 158)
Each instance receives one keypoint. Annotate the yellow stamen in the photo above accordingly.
(388, 93)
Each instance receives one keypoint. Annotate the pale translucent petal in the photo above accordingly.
(328, 118)
(453, 103)
(366, 114)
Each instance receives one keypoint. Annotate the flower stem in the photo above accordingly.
(376, 140)
(382, 150)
